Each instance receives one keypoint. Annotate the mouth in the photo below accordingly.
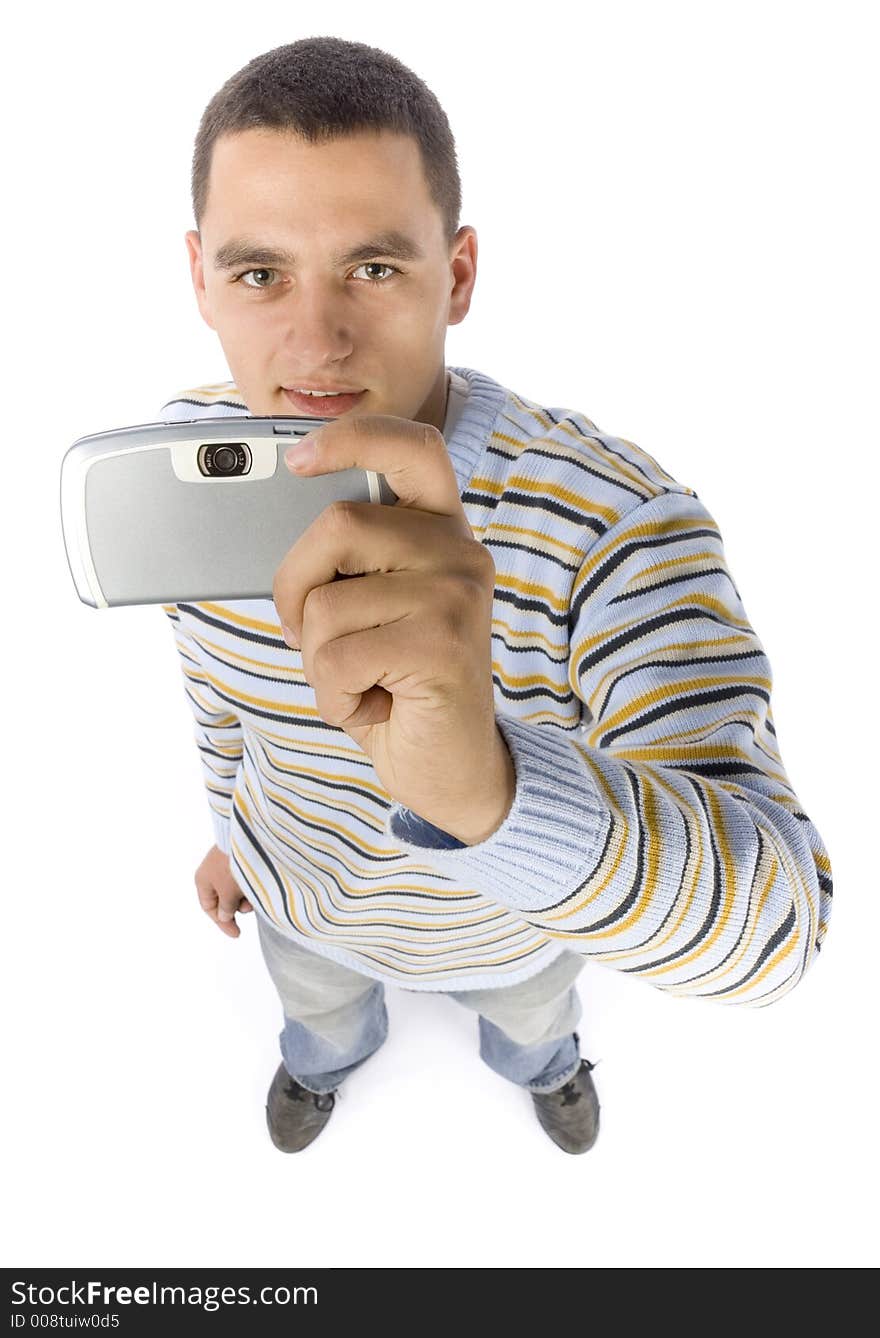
(323, 406)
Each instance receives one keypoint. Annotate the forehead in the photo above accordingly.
(271, 163)
(279, 189)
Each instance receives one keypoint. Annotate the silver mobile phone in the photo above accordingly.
(206, 509)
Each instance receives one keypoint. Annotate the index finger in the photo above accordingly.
(412, 456)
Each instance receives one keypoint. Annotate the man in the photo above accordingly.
(519, 718)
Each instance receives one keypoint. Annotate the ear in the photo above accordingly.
(463, 263)
(194, 251)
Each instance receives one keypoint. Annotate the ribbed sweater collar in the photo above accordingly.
(468, 438)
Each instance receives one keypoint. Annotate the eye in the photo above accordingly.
(378, 264)
(254, 271)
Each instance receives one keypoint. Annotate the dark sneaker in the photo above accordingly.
(570, 1114)
(295, 1115)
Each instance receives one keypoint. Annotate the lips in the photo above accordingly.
(323, 406)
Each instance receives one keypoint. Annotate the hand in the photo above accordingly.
(400, 655)
(219, 894)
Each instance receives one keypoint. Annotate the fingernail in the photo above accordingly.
(301, 453)
(224, 915)
(289, 637)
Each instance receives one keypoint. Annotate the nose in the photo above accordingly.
(319, 326)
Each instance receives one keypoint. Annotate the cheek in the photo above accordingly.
(249, 328)
(419, 315)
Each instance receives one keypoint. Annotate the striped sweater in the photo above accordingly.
(653, 830)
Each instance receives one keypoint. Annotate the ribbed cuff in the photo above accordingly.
(221, 831)
(551, 839)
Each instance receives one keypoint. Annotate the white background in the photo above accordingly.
(678, 237)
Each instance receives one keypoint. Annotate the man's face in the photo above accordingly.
(374, 323)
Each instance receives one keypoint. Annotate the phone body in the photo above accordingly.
(203, 509)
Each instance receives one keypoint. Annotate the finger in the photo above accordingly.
(229, 927)
(221, 907)
(412, 456)
(227, 906)
(354, 677)
(223, 915)
(354, 539)
(210, 905)
(363, 604)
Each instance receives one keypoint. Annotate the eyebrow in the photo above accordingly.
(246, 251)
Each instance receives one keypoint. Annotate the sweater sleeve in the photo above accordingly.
(217, 729)
(665, 840)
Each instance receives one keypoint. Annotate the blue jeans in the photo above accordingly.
(335, 1018)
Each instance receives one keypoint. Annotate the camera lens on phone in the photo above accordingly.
(226, 459)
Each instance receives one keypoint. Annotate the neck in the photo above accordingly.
(433, 410)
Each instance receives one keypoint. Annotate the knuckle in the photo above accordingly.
(472, 559)
(278, 582)
(456, 595)
(340, 514)
(433, 437)
(319, 603)
(479, 558)
(362, 425)
(454, 605)
(325, 660)
(313, 602)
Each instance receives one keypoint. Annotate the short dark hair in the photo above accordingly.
(324, 88)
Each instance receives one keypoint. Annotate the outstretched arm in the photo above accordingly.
(665, 839)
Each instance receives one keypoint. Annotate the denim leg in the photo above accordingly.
(540, 1068)
(527, 1031)
(321, 1066)
(334, 1017)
